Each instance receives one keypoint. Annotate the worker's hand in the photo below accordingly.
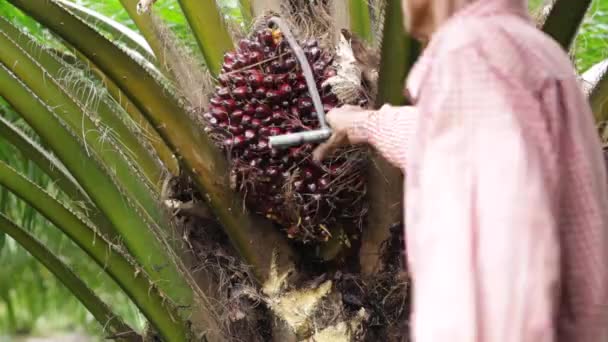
(344, 122)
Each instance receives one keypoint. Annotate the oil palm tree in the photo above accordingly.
(166, 180)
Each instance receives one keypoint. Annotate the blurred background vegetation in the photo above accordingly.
(32, 302)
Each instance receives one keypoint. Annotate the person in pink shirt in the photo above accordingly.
(506, 189)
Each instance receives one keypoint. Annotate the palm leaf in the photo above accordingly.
(199, 157)
(97, 181)
(112, 324)
(137, 286)
(129, 37)
(208, 26)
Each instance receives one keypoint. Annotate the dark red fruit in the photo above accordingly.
(262, 145)
(285, 89)
(256, 123)
(223, 92)
(249, 109)
(290, 63)
(262, 111)
(242, 92)
(255, 56)
(264, 131)
(268, 81)
(249, 134)
(229, 104)
(246, 120)
(275, 131)
(238, 79)
(236, 116)
(219, 112)
(305, 105)
(265, 37)
(244, 44)
(273, 96)
(301, 87)
(260, 93)
(255, 78)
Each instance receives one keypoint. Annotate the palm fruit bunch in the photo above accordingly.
(262, 92)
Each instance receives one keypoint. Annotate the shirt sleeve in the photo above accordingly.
(390, 130)
(485, 256)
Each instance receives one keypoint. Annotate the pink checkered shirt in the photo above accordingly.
(506, 192)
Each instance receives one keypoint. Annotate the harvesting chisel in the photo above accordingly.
(314, 136)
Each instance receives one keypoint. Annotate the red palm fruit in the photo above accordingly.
(246, 120)
(275, 131)
(277, 66)
(301, 87)
(256, 123)
(219, 112)
(273, 96)
(305, 105)
(242, 92)
(314, 53)
(242, 60)
(244, 44)
(318, 69)
(292, 77)
(262, 111)
(285, 104)
(312, 187)
(229, 104)
(238, 79)
(268, 81)
(235, 129)
(229, 57)
(236, 116)
(228, 142)
(257, 162)
(264, 131)
(298, 185)
(290, 63)
(255, 46)
(255, 78)
(213, 121)
(249, 134)
(262, 144)
(265, 37)
(278, 116)
(216, 101)
(223, 92)
(255, 56)
(260, 93)
(323, 183)
(224, 79)
(249, 109)
(285, 89)
(272, 171)
(308, 173)
(280, 79)
(239, 141)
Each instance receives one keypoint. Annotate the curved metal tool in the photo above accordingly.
(314, 136)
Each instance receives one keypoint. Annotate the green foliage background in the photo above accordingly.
(32, 302)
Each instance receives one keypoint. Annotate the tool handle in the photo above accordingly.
(306, 70)
(296, 139)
